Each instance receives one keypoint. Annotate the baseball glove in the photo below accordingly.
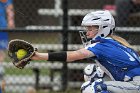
(14, 46)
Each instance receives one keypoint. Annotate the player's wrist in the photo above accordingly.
(35, 56)
(57, 56)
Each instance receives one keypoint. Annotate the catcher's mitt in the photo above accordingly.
(14, 46)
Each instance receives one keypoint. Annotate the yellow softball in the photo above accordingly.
(21, 53)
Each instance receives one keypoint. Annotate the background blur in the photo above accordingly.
(53, 25)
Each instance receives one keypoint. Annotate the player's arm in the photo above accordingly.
(64, 56)
(10, 16)
(79, 54)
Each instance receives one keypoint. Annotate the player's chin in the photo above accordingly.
(88, 37)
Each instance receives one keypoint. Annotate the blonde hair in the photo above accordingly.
(120, 40)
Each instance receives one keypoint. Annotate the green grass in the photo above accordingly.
(67, 91)
(15, 71)
(26, 71)
(48, 91)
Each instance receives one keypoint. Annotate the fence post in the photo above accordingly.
(37, 74)
(65, 42)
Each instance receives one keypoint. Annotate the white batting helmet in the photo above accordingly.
(103, 19)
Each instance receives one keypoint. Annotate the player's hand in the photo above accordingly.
(11, 25)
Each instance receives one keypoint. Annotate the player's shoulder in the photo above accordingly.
(92, 45)
(100, 43)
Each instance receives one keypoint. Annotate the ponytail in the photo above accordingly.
(120, 40)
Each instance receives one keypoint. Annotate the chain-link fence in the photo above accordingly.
(49, 13)
(53, 25)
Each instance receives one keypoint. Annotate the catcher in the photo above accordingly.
(114, 55)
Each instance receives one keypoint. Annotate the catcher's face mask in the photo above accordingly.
(89, 33)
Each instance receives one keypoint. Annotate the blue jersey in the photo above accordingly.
(3, 40)
(117, 59)
(3, 22)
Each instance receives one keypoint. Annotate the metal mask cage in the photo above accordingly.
(85, 41)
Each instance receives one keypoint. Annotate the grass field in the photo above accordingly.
(68, 91)
(48, 91)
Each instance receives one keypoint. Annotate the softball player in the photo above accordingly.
(113, 54)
